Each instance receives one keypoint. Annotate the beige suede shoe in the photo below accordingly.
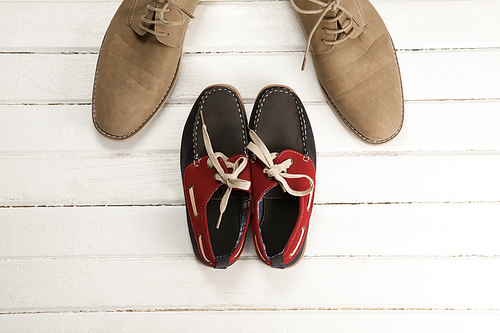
(138, 64)
(355, 64)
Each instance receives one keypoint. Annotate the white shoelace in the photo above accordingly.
(278, 171)
(231, 180)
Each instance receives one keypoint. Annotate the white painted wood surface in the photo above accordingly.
(404, 237)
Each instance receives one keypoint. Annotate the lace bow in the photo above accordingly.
(278, 171)
(231, 180)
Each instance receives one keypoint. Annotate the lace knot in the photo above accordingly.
(230, 179)
(278, 171)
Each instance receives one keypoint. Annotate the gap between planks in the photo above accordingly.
(246, 101)
(367, 153)
(315, 204)
(242, 258)
(243, 309)
(400, 50)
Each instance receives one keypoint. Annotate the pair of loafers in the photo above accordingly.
(235, 173)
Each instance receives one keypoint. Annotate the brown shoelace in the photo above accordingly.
(159, 19)
(334, 6)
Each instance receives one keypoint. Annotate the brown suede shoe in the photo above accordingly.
(356, 65)
(138, 64)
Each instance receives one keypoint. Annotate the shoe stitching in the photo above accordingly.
(293, 236)
(337, 111)
(323, 52)
(274, 184)
(183, 35)
(205, 235)
(202, 102)
(295, 252)
(191, 220)
(358, 133)
(155, 110)
(301, 217)
(304, 30)
(303, 126)
(203, 231)
(304, 207)
(360, 10)
(201, 213)
(131, 13)
(204, 97)
(299, 109)
(264, 210)
(150, 116)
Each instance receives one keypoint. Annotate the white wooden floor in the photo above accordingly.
(404, 237)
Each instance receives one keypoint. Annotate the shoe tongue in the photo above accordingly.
(309, 20)
(175, 33)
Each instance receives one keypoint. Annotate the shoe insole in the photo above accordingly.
(279, 215)
(226, 237)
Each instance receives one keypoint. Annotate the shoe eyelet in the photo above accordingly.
(196, 163)
(209, 167)
(215, 173)
(291, 161)
(306, 158)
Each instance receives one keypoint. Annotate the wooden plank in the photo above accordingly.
(173, 284)
(155, 179)
(47, 180)
(261, 321)
(413, 25)
(469, 126)
(336, 230)
(131, 268)
(409, 178)
(427, 75)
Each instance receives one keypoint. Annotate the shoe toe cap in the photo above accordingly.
(119, 120)
(369, 102)
(373, 121)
